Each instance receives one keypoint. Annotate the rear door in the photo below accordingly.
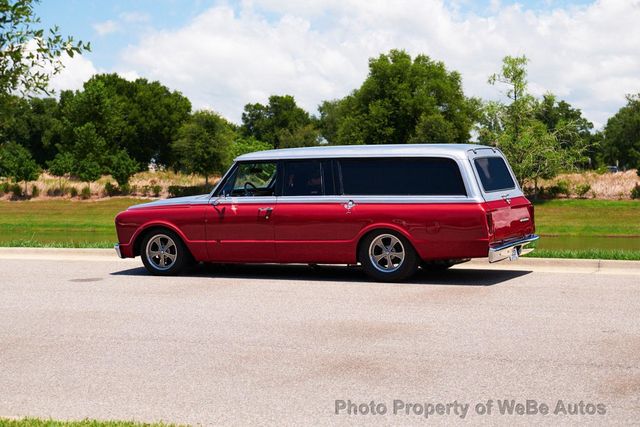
(311, 222)
(509, 213)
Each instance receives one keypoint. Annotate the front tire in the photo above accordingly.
(163, 253)
(387, 256)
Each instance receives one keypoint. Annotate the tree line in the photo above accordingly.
(119, 127)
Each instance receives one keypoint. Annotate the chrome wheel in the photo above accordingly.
(386, 253)
(161, 252)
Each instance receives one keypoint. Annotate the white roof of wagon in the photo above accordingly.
(341, 151)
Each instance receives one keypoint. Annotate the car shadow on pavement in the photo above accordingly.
(333, 273)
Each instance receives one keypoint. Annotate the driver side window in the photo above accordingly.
(252, 179)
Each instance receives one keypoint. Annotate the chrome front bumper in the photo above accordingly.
(511, 250)
(117, 248)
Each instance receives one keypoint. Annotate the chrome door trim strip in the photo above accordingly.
(346, 198)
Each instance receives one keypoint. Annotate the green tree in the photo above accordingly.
(16, 162)
(203, 144)
(572, 130)
(244, 145)
(122, 167)
(33, 123)
(403, 100)
(60, 166)
(140, 117)
(304, 136)
(89, 153)
(621, 144)
(29, 54)
(535, 148)
(269, 123)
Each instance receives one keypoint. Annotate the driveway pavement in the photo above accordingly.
(83, 335)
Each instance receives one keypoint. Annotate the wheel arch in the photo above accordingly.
(380, 228)
(144, 231)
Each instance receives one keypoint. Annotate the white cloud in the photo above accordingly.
(77, 70)
(135, 17)
(106, 27)
(318, 49)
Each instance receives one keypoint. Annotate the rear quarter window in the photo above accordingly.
(424, 176)
(494, 174)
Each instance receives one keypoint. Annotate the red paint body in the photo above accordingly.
(327, 232)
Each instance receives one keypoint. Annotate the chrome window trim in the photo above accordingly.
(223, 179)
(378, 199)
(344, 199)
(238, 200)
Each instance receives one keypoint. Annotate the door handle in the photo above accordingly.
(265, 212)
(349, 205)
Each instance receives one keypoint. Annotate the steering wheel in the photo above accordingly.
(246, 188)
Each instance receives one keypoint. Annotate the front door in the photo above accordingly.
(239, 224)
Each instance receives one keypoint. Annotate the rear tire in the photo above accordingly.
(163, 253)
(387, 256)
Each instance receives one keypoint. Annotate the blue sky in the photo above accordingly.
(225, 54)
(79, 18)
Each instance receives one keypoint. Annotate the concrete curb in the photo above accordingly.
(26, 252)
(564, 262)
(556, 265)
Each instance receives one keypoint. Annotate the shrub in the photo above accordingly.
(156, 190)
(58, 191)
(35, 191)
(127, 189)
(180, 191)
(85, 193)
(582, 190)
(551, 192)
(638, 171)
(16, 189)
(563, 187)
(110, 189)
(635, 192)
(73, 192)
(145, 190)
(4, 188)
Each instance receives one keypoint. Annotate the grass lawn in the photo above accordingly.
(574, 217)
(61, 223)
(37, 422)
(603, 229)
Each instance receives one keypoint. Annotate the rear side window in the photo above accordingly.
(303, 178)
(428, 176)
(494, 174)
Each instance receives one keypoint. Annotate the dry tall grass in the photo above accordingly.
(603, 186)
(143, 184)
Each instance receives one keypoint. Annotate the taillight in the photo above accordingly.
(490, 225)
(532, 218)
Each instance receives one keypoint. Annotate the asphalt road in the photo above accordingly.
(96, 337)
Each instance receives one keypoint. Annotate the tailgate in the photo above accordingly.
(509, 219)
(509, 213)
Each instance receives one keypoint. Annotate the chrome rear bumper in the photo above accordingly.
(511, 250)
(117, 248)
